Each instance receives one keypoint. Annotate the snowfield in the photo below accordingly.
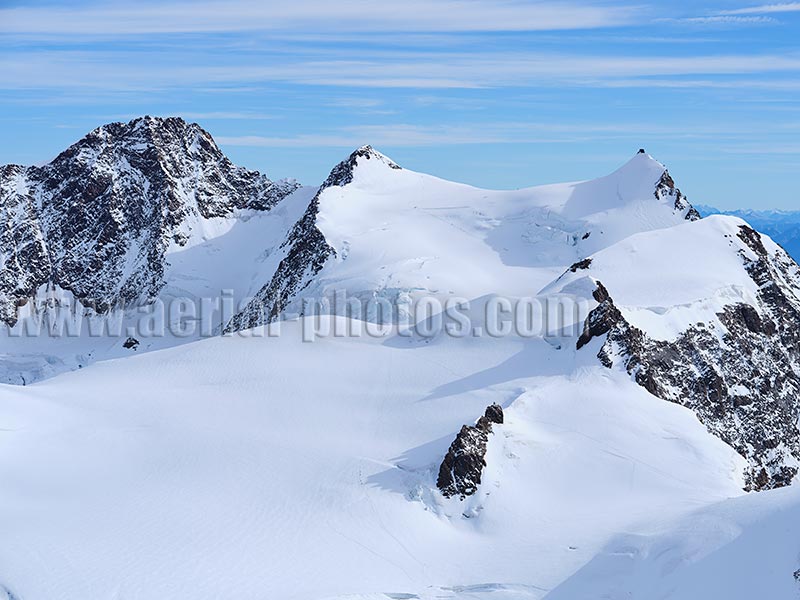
(247, 466)
(260, 467)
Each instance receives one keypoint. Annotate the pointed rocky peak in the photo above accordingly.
(179, 161)
(142, 136)
(342, 174)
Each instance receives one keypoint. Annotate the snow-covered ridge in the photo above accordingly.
(783, 226)
(375, 229)
(706, 315)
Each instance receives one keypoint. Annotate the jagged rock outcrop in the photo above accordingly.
(98, 219)
(462, 467)
(131, 343)
(306, 252)
(581, 265)
(740, 375)
(666, 191)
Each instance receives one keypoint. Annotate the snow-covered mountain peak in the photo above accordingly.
(640, 180)
(365, 158)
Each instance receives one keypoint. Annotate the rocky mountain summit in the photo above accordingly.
(305, 250)
(98, 220)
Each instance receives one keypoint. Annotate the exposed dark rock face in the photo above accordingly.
(666, 190)
(462, 467)
(306, 250)
(25, 262)
(494, 413)
(131, 344)
(740, 376)
(580, 265)
(98, 219)
(601, 320)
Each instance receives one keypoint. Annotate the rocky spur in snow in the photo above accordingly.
(666, 190)
(462, 467)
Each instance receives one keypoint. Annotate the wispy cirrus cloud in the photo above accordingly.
(473, 70)
(748, 15)
(411, 135)
(149, 17)
(770, 85)
(726, 19)
(764, 9)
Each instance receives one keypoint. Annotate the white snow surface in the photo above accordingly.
(668, 280)
(267, 467)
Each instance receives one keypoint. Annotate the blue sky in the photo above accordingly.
(496, 93)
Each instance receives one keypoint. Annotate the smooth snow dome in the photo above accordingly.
(666, 281)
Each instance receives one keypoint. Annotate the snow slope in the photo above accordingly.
(224, 469)
(740, 548)
(667, 281)
(705, 314)
(783, 226)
